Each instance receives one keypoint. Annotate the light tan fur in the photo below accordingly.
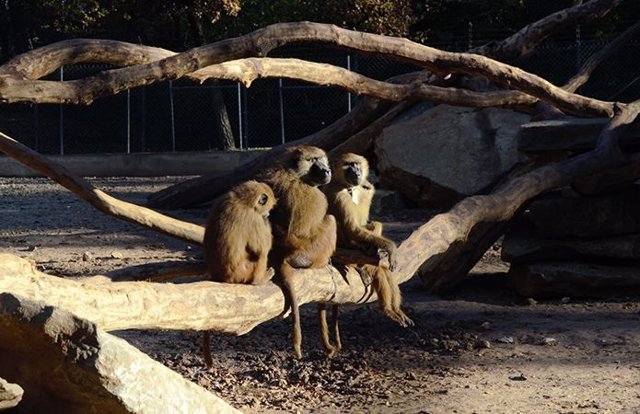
(304, 234)
(350, 195)
(238, 239)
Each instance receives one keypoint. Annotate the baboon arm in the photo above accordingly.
(363, 234)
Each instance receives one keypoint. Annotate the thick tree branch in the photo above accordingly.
(526, 39)
(502, 204)
(99, 199)
(260, 42)
(590, 65)
(237, 309)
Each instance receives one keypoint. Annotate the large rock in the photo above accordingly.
(574, 279)
(557, 216)
(67, 365)
(10, 395)
(448, 152)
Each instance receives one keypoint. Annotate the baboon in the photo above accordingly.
(237, 239)
(304, 234)
(350, 194)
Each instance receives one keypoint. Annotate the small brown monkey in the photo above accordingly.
(237, 239)
(304, 234)
(350, 195)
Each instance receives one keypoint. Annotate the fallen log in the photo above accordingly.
(608, 181)
(102, 201)
(524, 245)
(573, 279)
(586, 216)
(68, 365)
(572, 134)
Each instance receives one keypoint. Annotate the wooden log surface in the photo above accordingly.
(574, 279)
(523, 244)
(204, 305)
(570, 134)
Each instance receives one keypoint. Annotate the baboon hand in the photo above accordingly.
(390, 253)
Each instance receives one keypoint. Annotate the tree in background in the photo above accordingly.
(181, 24)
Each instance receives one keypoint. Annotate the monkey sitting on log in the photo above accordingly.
(350, 195)
(304, 234)
(238, 238)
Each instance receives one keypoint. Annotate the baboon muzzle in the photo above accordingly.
(320, 172)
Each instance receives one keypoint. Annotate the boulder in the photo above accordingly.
(10, 395)
(558, 216)
(67, 365)
(574, 279)
(447, 152)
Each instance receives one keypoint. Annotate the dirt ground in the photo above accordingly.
(480, 350)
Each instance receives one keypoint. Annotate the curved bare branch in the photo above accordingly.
(99, 199)
(260, 42)
(525, 40)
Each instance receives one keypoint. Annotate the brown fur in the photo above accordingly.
(237, 239)
(350, 195)
(304, 234)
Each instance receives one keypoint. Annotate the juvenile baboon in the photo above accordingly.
(304, 234)
(237, 239)
(350, 194)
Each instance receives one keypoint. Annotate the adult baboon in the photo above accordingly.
(304, 234)
(350, 194)
(237, 239)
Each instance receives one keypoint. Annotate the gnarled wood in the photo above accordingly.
(238, 308)
(525, 40)
(102, 201)
(187, 194)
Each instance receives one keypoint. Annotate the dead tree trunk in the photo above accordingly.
(215, 306)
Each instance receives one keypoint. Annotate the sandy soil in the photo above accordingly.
(480, 350)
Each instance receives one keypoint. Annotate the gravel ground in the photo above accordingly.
(480, 350)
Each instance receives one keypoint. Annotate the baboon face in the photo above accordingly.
(352, 168)
(258, 196)
(311, 164)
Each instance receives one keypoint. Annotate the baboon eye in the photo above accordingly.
(263, 199)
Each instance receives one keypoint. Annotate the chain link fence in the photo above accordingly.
(184, 116)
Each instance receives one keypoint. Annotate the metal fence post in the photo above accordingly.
(128, 121)
(578, 47)
(173, 119)
(143, 138)
(282, 136)
(245, 118)
(348, 93)
(240, 129)
(61, 132)
(36, 138)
